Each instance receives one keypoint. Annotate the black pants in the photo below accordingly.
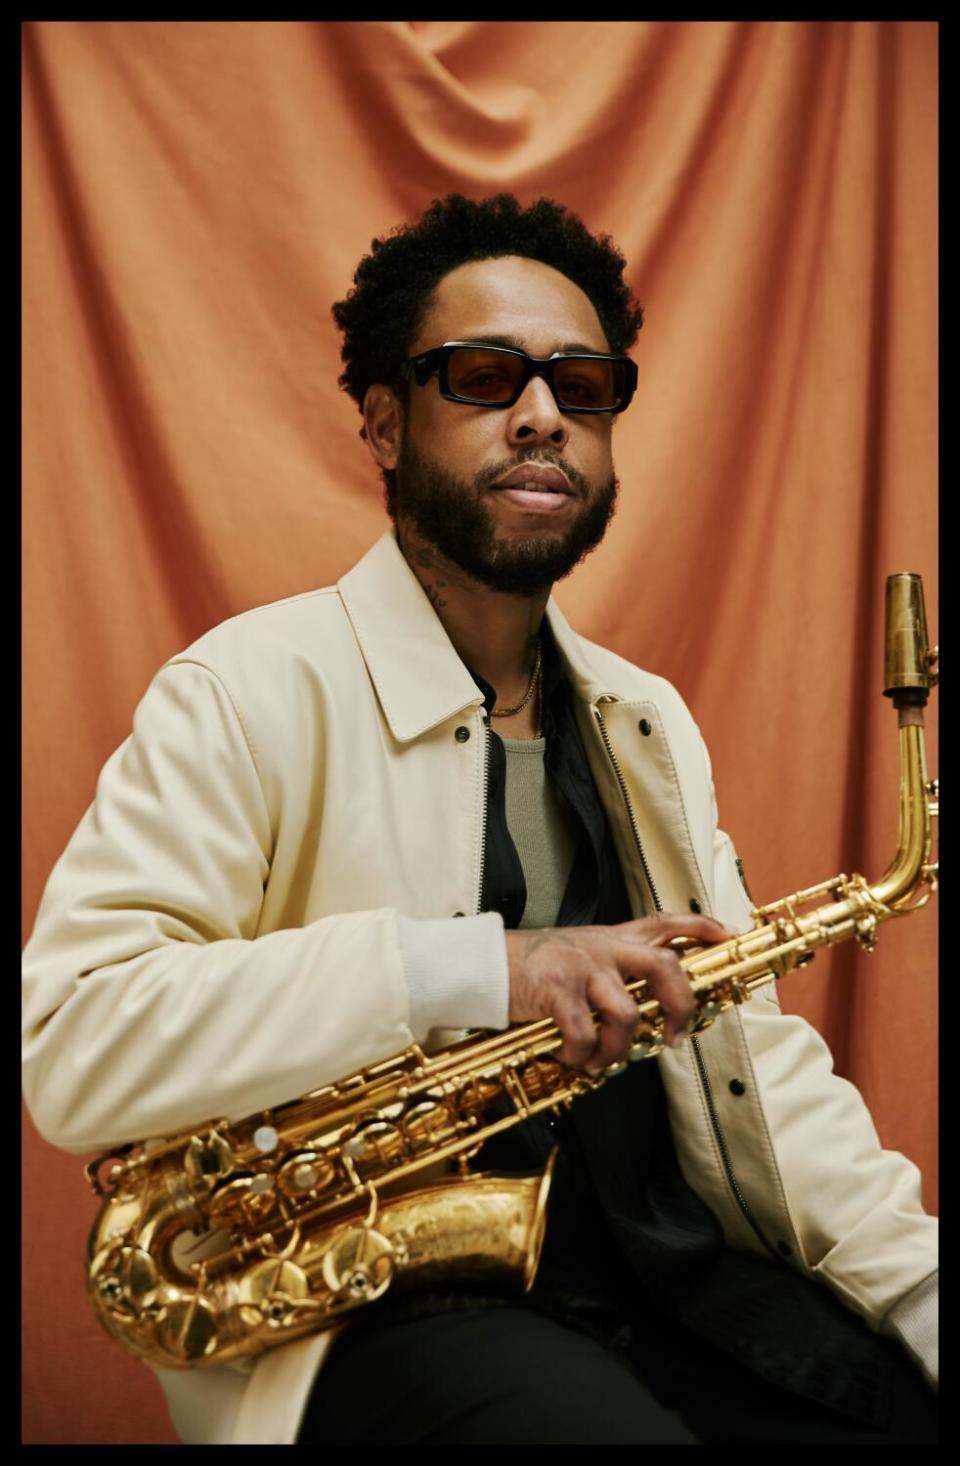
(511, 1375)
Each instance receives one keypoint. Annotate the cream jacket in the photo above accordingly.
(221, 935)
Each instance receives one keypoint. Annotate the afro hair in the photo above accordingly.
(393, 284)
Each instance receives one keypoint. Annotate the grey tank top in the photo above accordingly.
(540, 827)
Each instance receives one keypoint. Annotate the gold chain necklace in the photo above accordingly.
(534, 678)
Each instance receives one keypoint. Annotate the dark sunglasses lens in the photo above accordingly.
(582, 382)
(485, 376)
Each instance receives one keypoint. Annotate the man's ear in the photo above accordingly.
(383, 424)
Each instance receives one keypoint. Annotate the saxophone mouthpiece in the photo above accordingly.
(907, 661)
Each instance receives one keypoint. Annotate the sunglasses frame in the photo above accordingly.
(422, 367)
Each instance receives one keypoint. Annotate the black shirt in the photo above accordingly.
(616, 1172)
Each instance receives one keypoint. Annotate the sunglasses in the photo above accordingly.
(495, 376)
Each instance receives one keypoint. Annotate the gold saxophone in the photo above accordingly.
(239, 1236)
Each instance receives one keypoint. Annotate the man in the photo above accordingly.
(418, 802)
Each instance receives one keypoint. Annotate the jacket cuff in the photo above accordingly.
(456, 972)
(915, 1322)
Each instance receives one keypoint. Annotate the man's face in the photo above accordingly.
(452, 455)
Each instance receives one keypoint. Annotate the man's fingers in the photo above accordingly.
(591, 1043)
(596, 1042)
(618, 1019)
(658, 930)
(578, 977)
(666, 981)
(579, 1031)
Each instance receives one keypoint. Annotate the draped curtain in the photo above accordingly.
(197, 194)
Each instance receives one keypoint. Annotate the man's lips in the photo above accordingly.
(535, 475)
(537, 501)
(540, 488)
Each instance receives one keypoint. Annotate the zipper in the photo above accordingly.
(725, 1155)
(485, 722)
(743, 881)
(626, 799)
(701, 1067)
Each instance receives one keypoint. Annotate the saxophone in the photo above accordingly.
(216, 1245)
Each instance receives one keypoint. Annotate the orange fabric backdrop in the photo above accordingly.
(196, 196)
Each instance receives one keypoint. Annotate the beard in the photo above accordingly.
(454, 515)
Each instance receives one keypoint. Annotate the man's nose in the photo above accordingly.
(536, 414)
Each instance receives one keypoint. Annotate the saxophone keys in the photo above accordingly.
(273, 1290)
(123, 1181)
(709, 1012)
(867, 931)
(188, 1329)
(477, 1093)
(206, 1158)
(245, 1202)
(306, 1172)
(648, 1041)
(359, 1265)
(266, 1139)
(126, 1279)
(427, 1124)
(375, 1141)
(646, 1047)
(541, 1077)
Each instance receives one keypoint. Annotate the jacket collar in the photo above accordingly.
(415, 668)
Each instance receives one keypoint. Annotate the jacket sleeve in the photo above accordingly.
(152, 1000)
(856, 1207)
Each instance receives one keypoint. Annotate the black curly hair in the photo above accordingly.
(393, 284)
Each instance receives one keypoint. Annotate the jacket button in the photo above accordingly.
(695, 906)
(462, 734)
(784, 1248)
(645, 728)
(737, 1087)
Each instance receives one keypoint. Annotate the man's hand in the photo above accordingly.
(565, 972)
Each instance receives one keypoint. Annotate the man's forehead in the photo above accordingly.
(512, 301)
